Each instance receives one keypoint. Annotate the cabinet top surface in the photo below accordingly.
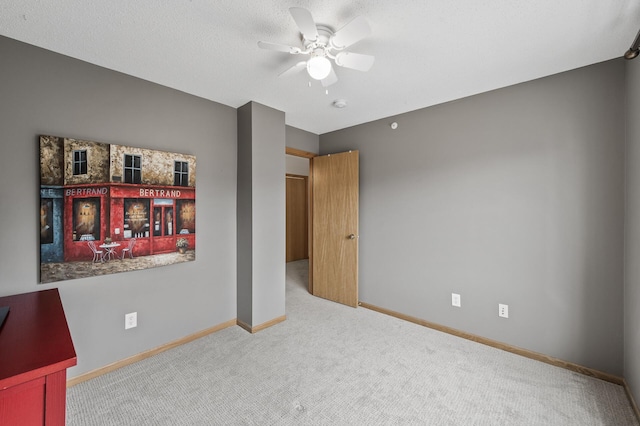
(35, 338)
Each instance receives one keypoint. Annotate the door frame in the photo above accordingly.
(309, 155)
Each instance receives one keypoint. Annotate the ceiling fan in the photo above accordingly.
(321, 44)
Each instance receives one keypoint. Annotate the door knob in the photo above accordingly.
(352, 237)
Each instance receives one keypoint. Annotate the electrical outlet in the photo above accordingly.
(130, 320)
(455, 299)
(503, 310)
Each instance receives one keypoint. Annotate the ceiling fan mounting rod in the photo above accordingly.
(318, 51)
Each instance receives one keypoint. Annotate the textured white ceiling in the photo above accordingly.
(427, 51)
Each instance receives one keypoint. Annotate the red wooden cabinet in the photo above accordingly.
(35, 351)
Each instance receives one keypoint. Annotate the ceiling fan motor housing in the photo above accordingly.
(322, 44)
(323, 41)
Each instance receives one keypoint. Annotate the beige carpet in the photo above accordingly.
(333, 365)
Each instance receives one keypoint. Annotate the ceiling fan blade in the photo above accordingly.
(305, 23)
(356, 61)
(354, 31)
(330, 79)
(279, 47)
(294, 69)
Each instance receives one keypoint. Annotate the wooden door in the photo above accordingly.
(297, 214)
(335, 188)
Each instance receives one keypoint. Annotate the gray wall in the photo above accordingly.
(632, 234)
(244, 217)
(261, 214)
(297, 165)
(47, 93)
(269, 214)
(301, 139)
(513, 196)
(305, 141)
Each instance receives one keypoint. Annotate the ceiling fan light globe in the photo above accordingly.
(318, 67)
(631, 53)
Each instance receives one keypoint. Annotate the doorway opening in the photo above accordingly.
(298, 209)
(333, 211)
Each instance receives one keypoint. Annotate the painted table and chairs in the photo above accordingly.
(129, 248)
(108, 250)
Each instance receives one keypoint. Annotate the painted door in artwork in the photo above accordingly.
(335, 198)
(163, 226)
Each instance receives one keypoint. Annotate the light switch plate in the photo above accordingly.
(455, 300)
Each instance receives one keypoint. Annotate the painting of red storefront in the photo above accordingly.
(109, 208)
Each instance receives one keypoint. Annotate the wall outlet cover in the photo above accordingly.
(503, 310)
(130, 320)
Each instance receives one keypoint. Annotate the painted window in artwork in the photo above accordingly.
(46, 221)
(157, 221)
(86, 219)
(186, 216)
(168, 221)
(181, 173)
(80, 162)
(132, 168)
(136, 218)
